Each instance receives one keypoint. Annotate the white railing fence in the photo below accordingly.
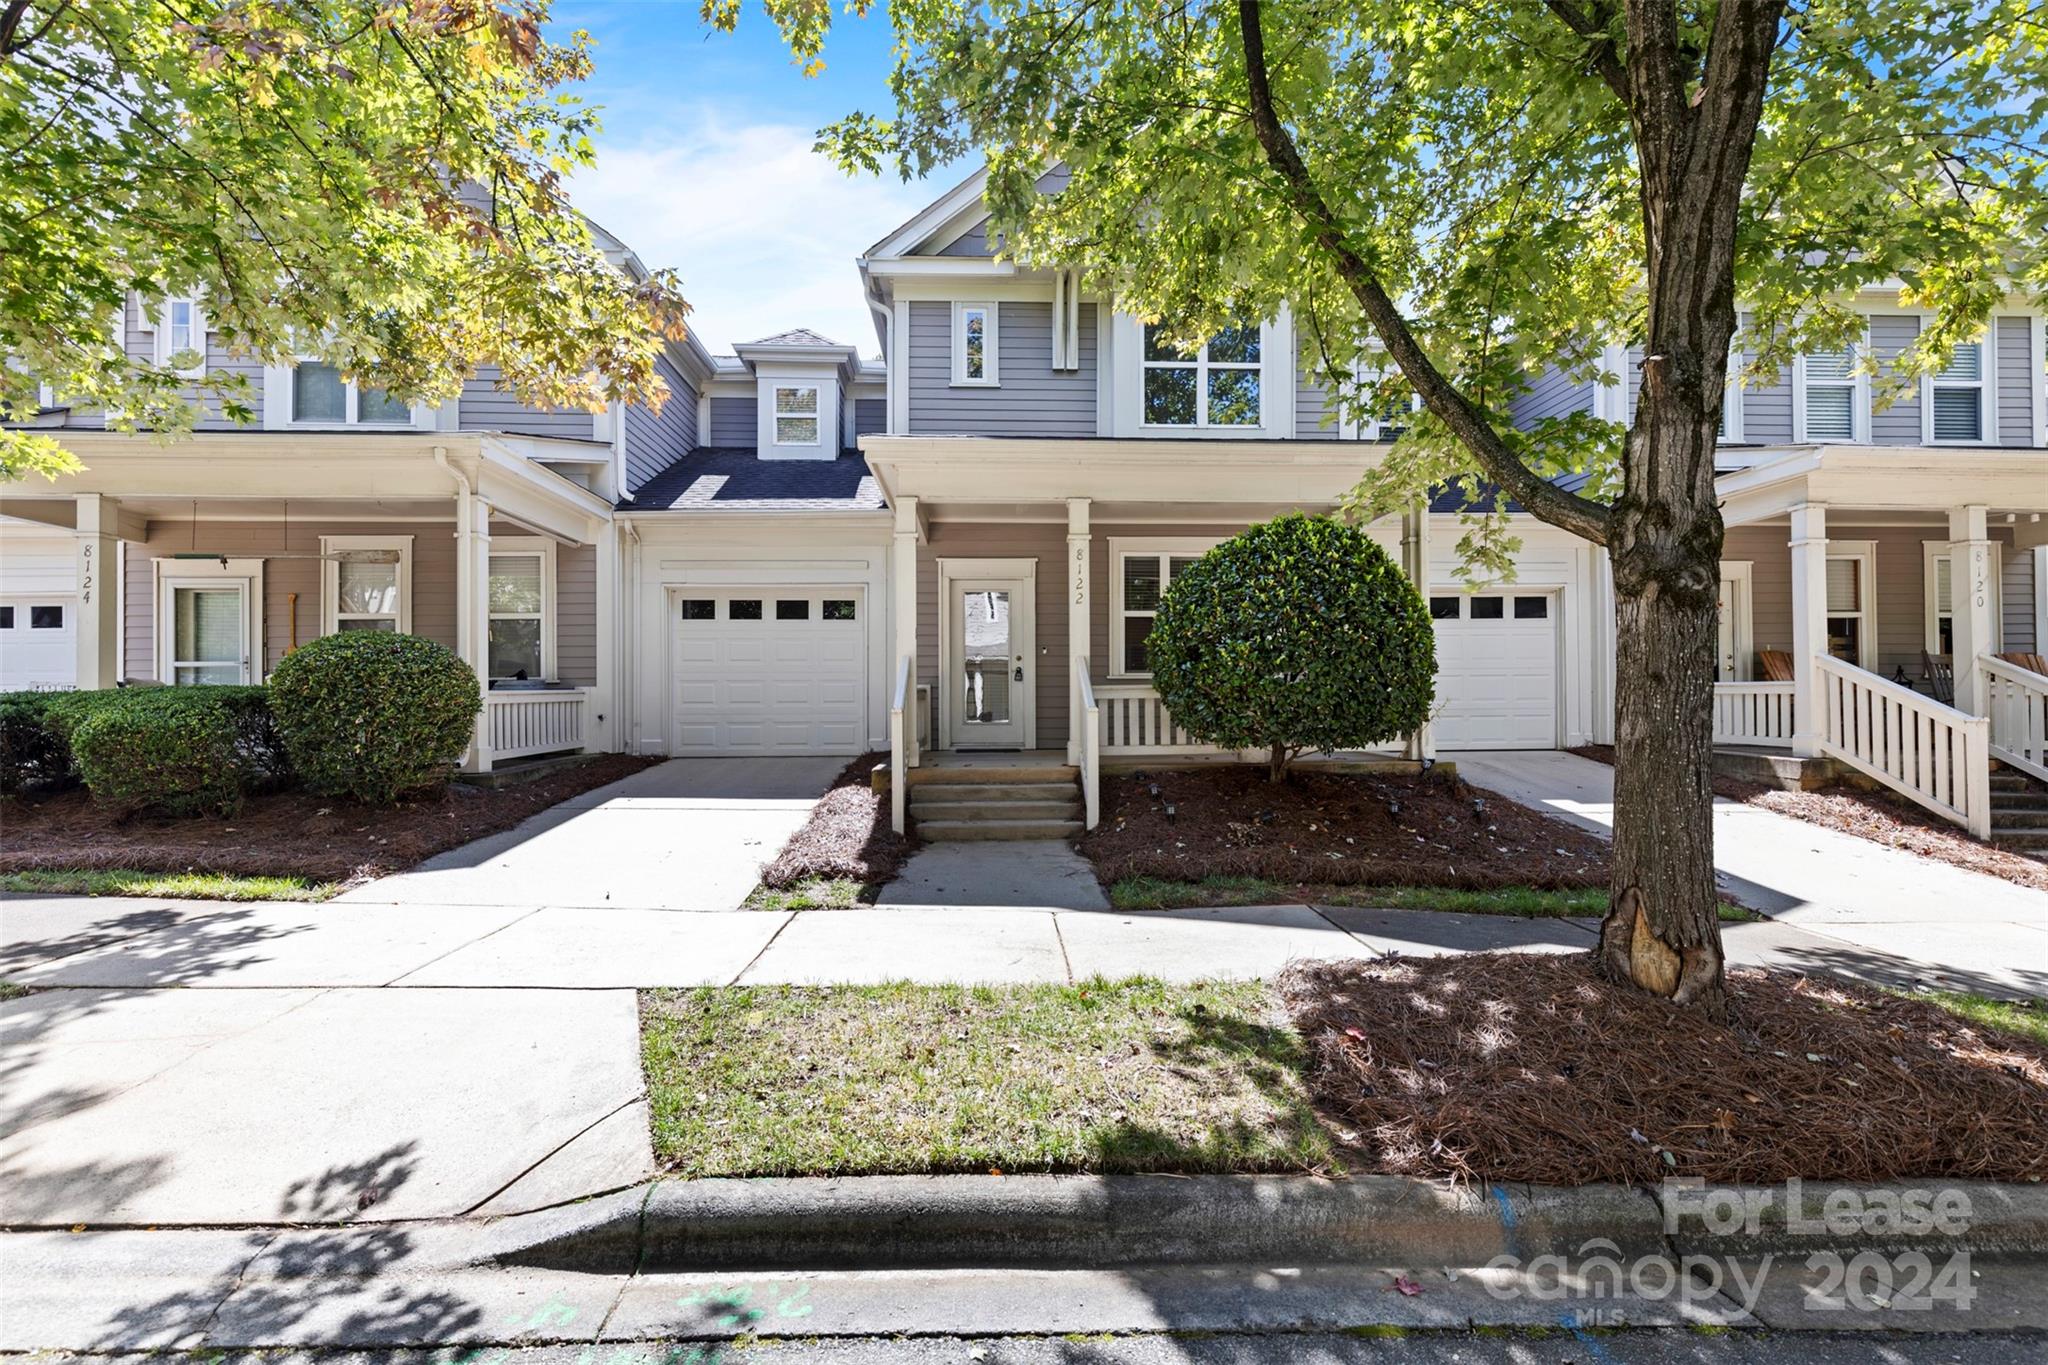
(2017, 699)
(526, 723)
(1134, 721)
(1756, 713)
(902, 743)
(1928, 752)
(1091, 743)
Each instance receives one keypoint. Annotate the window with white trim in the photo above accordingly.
(1142, 578)
(1956, 396)
(366, 584)
(1849, 611)
(796, 415)
(180, 328)
(974, 343)
(1216, 386)
(522, 603)
(1937, 579)
(321, 397)
(209, 621)
(1829, 389)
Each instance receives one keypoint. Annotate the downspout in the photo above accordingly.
(627, 702)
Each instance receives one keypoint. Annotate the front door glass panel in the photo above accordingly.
(985, 657)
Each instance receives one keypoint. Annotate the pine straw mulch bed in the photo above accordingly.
(289, 833)
(1346, 829)
(848, 835)
(1878, 817)
(1524, 1066)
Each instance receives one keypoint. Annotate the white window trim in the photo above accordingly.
(279, 413)
(160, 324)
(330, 578)
(1986, 385)
(1932, 552)
(172, 574)
(988, 308)
(816, 414)
(1859, 400)
(1119, 548)
(545, 548)
(1201, 365)
(1864, 552)
(1731, 400)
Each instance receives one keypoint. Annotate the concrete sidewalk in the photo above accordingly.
(1838, 903)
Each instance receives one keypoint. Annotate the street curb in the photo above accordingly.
(1938, 1217)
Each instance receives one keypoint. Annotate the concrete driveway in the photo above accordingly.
(689, 834)
(1836, 902)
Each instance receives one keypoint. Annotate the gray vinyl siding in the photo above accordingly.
(654, 441)
(1552, 395)
(576, 614)
(870, 416)
(1899, 423)
(141, 345)
(1311, 406)
(1767, 411)
(2017, 588)
(2016, 367)
(1029, 400)
(974, 241)
(733, 422)
(485, 407)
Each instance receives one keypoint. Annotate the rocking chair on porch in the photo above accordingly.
(1775, 665)
(2033, 663)
(1941, 676)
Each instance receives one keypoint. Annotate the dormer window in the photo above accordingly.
(974, 343)
(1216, 386)
(796, 415)
(321, 396)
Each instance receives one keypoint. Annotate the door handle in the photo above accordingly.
(1020, 673)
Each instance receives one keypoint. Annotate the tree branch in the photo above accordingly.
(1600, 54)
(1546, 500)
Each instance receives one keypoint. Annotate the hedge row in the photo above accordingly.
(370, 716)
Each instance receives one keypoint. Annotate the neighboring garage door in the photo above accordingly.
(36, 634)
(1496, 670)
(771, 671)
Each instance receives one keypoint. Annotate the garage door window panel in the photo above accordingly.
(792, 609)
(743, 609)
(700, 609)
(46, 618)
(839, 609)
(1488, 608)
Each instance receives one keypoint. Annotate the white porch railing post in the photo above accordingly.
(1078, 608)
(1758, 713)
(1091, 742)
(900, 744)
(1970, 597)
(1809, 625)
(903, 576)
(1930, 753)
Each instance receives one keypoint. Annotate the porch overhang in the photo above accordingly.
(1885, 478)
(310, 467)
(983, 470)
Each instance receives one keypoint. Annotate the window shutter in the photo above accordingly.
(1845, 595)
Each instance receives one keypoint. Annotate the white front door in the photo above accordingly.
(989, 662)
(770, 670)
(1732, 656)
(1496, 670)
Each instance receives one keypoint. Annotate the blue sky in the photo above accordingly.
(705, 165)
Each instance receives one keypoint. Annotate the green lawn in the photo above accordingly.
(2028, 1019)
(1109, 1076)
(210, 886)
(1157, 893)
(813, 893)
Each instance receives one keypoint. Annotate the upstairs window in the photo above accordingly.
(181, 336)
(1956, 400)
(320, 395)
(974, 343)
(1217, 386)
(796, 415)
(1830, 393)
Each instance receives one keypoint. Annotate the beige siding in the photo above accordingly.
(1045, 543)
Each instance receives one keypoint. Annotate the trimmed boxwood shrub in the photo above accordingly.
(374, 716)
(32, 757)
(171, 749)
(1299, 634)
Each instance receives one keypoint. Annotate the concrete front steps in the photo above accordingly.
(2019, 814)
(993, 798)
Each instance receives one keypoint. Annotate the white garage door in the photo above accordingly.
(1496, 670)
(771, 671)
(36, 641)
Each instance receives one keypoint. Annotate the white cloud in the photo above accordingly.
(763, 230)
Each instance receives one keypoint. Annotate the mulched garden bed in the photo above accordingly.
(848, 834)
(286, 833)
(1522, 1066)
(1333, 828)
(1878, 817)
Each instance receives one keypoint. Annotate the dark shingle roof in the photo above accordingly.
(1452, 497)
(795, 336)
(730, 478)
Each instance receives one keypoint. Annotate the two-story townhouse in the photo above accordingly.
(479, 523)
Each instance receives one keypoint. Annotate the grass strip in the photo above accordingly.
(209, 886)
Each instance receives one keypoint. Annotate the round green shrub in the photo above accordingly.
(1300, 634)
(167, 749)
(32, 757)
(374, 716)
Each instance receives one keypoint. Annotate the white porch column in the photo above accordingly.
(1809, 624)
(1421, 744)
(903, 581)
(1969, 585)
(97, 634)
(473, 612)
(1079, 607)
(608, 689)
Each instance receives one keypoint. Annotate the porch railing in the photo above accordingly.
(1755, 713)
(1134, 721)
(1091, 743)
(902, 745)
(525, 723)
(2018, 702)
(1930, 753)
